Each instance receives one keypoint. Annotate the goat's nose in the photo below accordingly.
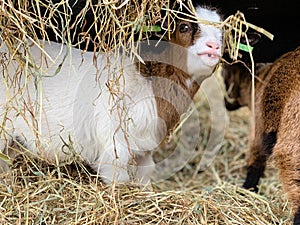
(213, 45)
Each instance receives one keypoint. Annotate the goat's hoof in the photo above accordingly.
(297, 217)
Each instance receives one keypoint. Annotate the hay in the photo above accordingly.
(34, 192)
(29, 196)
(116, 24)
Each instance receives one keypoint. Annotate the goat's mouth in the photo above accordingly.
(209, 58)
(209, 55)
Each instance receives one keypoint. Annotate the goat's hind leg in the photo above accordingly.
(260, 150)
(287, 160)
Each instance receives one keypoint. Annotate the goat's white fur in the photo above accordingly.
(73, 106)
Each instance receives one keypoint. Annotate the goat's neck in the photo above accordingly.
(173, 90)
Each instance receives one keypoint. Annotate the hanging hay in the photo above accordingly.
(34, 192)
(104, 26)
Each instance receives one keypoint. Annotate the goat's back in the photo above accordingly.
(283, 84)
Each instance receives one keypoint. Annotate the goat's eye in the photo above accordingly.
(184, 28)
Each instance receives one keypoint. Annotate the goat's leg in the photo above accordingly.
(297, 217)
(112, 165)
(145, 167)
(287, 160)
(260, 150)
(125, 168)
(255, 168)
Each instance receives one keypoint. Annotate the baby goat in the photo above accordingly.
(111, 111)
(277, 119)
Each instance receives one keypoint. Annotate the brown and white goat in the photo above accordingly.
(112, 114)
(277, 119)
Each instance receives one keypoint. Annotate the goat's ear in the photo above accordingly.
(253, 38)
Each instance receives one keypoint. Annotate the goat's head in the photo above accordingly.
(193, 47)
(203, 42)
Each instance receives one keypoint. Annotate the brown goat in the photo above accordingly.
(277, 120)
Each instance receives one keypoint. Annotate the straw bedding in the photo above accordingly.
(34, 192)
(37, 193)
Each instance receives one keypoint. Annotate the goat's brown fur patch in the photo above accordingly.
(172, 94)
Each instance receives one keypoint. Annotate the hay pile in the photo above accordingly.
(34, 192)
(37, 193)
